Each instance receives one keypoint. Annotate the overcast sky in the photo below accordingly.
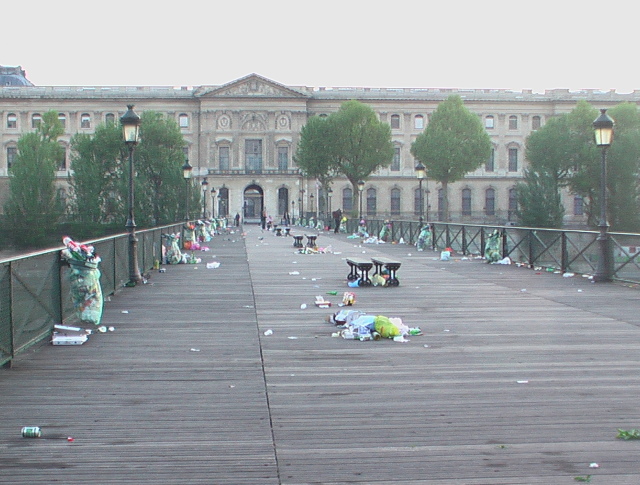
(394, 43)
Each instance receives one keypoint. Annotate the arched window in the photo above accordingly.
(418, 122)
(62, 118)
(395, 202)
(513, 122)
(466, 202)
(283, 201)
(490, 202)
(36, 119)
(85, 121)
(347, 199)
(371, 202)
(110, 118)
(488, 122)
(395, 122)
(12, 120)
(183, 120)
(535, 123)
(223, 201)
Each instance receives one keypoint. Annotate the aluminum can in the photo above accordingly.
(31, 432)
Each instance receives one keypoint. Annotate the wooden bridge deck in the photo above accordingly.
(521, 377)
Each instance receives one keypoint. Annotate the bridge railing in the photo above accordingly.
(572, 251)
(34, 289)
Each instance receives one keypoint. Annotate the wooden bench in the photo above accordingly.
(359, 269)
(297, 241)
(391, 266)
(311, 240)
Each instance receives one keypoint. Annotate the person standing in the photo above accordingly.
(337, 217)
(263, 219)
(237, 219)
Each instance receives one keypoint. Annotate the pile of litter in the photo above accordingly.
(358, 325)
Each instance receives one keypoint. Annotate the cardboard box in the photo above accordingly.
(58, 339)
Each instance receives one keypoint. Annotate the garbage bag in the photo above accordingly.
(493, 248)
(385, 327)
(86, 293)
(424, 238)
(84, 281)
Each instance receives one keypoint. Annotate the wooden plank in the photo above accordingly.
(505, 385)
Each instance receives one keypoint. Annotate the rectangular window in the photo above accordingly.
(513, 122)
(283, 158)
(395, 164)
(224, 158)
(395, 122)
(490, 165)
(418, 122)
(535, 123)
(253, 156)
(578, 206)
(513, 159)
(11, 156)
(395, 202)
(12, 121)
(85, 121)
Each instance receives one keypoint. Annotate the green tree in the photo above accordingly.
(34, 207)
(551, 155)
(362, 143)
(314, 154)
(158, 162)
(623, 169)
(453, 144)
(100, 174)
(351, 142)
(97, 164)
(539, 200)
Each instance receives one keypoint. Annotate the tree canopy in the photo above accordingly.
(34, 206)
(351, 142)
(100, 173)
(453, 144)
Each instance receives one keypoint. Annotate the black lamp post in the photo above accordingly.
(186, 174)
(131, 131)
(293, 214)
(603, 129)
(329, 192)
(205, 185)
(360, 190)
(421, 173)
(213, 202)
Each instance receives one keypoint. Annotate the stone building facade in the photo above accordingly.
(242, 137)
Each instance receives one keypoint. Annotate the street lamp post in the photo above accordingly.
(329, 192)
(205, 185)
(131, 130)
(213, 203)
(186, 174)
(293, 214)
(421, 173)
(603, 130)
(360, 189)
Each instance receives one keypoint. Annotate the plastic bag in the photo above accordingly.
(385, 327)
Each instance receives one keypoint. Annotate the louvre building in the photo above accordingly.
(242, 136)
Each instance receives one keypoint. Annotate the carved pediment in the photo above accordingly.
(252, 86)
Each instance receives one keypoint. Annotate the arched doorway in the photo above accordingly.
(253, 204)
